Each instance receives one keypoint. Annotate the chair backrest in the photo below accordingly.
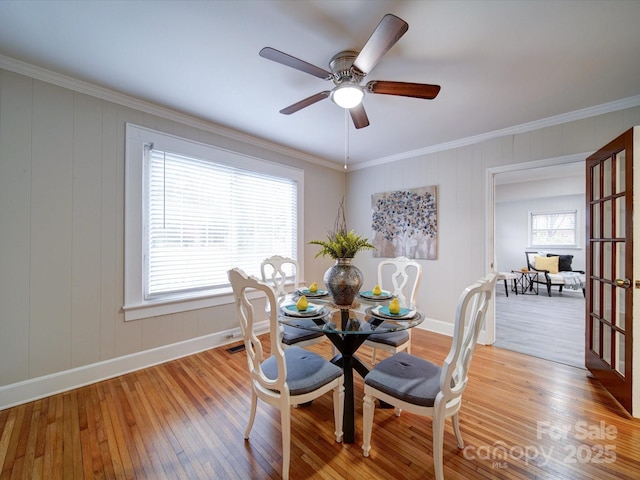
(405, 275)
(531, 259)
(273, 270)
(470, 314)
(242, 285)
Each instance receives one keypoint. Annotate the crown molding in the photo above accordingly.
(103, 93)
(522, 128)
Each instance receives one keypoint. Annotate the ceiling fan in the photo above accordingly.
(348, 69)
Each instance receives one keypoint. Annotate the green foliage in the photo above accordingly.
(342, 244)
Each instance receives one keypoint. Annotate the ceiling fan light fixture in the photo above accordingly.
(347, 95)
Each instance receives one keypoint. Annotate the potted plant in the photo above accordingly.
(343, 279)
(342, 244)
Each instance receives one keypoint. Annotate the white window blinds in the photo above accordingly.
(204, 218)
(553, 228)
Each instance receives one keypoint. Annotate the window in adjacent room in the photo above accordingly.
(195, 211)
(553, 229)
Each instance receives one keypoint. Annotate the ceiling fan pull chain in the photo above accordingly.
(346, 137)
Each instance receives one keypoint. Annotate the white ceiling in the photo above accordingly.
(500, 63)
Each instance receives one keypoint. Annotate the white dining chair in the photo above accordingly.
(404, 276)
(421, 387)
(277, 271)
(283, 378)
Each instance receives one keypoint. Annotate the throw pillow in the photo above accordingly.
(547, 263)
(564, 262)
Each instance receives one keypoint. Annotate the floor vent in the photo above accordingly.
(236, 349)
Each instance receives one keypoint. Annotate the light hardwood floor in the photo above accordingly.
(542, 326)
(186, 418)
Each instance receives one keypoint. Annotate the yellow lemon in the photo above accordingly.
(376, 290)
(302, 303)
(394, 306)
(313, 288)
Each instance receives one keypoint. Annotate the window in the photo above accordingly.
(553, 229)
(194, 211)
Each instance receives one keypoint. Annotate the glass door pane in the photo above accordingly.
(620, 171)
(620, 339)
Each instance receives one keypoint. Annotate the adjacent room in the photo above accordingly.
(550, 327)
(267, 239)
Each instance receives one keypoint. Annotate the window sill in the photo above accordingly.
(166, 306)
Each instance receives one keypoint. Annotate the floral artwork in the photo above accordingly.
(405, 223)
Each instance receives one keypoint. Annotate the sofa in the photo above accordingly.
(555, 270)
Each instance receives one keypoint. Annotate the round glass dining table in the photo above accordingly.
(348, 329)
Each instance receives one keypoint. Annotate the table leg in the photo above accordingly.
(347, 346)
(360, 367)
(348, 419)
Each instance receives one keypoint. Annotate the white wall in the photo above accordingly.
(514, 202)
(460, 175)
(62, 220)
(61, 236)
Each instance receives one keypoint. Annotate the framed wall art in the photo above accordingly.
(405, 223)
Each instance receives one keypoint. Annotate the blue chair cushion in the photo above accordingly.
(394, 338)
(406, 377)
(293, 335)
(306, 371)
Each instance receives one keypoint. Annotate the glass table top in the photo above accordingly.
(366, 317)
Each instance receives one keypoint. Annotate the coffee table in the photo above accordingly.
(526, 281)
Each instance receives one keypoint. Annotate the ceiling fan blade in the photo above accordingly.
(359, 116)
(386, 34)
(404, 89)
(293, 62)
(305, 103)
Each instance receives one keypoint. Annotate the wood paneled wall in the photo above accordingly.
(62, 230)
(460, 175)
(62, 219)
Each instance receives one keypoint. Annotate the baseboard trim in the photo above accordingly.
(47, 385)
(446, 328)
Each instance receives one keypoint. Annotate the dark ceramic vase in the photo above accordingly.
(343, 280)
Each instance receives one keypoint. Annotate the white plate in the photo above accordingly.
(311, 311)
(307, 293)
(383, 312)
(370, 296)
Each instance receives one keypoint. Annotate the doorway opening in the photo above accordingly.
(537, 325)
